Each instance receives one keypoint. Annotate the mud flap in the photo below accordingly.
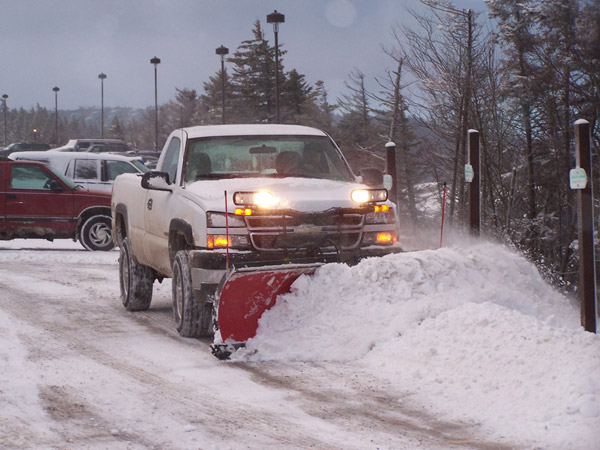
(245, 294)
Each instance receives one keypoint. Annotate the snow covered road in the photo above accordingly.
(78, 371)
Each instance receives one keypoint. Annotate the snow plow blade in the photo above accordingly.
(243, 297)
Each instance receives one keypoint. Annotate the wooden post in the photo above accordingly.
(585, 218)
(475, 185)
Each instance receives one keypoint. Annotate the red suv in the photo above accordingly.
(37, 202)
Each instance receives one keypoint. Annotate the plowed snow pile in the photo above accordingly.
(474, 332)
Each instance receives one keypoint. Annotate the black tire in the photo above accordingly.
(135, 281)
(192, 313)
(95, 233)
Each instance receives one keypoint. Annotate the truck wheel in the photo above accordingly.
(193, 314)
(95, 234)
(135, 281)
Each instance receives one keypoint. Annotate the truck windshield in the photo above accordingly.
(265, 156)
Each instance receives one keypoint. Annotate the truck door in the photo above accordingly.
(32, 207)
(156, 212)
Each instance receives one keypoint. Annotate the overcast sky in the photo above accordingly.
(67, 43)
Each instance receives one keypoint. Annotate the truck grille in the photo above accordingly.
(341, 231)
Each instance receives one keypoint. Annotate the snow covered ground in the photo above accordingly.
(468, 334)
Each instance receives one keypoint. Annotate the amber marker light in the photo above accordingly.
(242, 211)
(217, 241)
(381, 208)
(385, 237)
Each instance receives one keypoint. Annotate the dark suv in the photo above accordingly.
(23, 147)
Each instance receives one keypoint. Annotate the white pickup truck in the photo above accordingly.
(231, 196)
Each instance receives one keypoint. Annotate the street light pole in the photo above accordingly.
(102, 77)
(276, 18)
(4, 97)
(156, 62)
(56, 89)
(222, 51)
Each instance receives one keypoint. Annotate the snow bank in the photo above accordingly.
(342, 312)
(474, 331)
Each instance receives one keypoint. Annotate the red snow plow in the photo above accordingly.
(245, 295)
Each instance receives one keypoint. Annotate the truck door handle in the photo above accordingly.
(11, 196)
(149, 204)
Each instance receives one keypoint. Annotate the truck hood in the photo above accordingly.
(299, 194)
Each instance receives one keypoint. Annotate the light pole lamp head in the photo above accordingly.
(275, 18)
(56, 89)
(155, 61)
(222, 51)
(102, 76)
(4, 96)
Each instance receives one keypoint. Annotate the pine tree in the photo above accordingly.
(186, 108)
(212, 99)
(295, 97)
(253, 78)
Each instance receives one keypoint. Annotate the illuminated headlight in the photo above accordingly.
(262, 199)
(369, 195)
(217, 220)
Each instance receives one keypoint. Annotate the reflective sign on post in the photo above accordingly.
(469, 173)
(577, 178)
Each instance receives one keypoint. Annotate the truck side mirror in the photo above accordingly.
(388, 182)
(156, 181)
(371, 176)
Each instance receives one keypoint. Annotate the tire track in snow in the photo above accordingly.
(346, 397)
(65, 339)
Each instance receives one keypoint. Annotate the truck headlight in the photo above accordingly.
(369, 195)
(217, 220)
(262, 199)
